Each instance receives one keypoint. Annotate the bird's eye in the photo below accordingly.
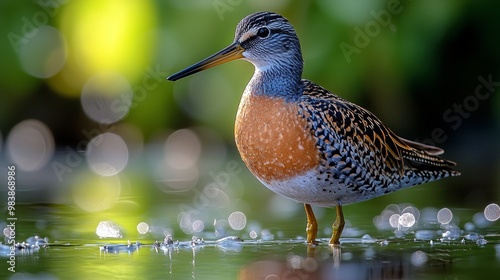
(263, 32)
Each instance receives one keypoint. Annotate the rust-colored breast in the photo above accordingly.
(273, 140)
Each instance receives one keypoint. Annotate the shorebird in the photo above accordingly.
(307, 144)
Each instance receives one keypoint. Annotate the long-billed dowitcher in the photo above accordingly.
(306, 143)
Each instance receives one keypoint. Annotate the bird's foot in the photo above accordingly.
(312, 225)
(338, 226)
(312, 231)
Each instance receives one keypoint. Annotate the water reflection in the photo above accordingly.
(335, 262)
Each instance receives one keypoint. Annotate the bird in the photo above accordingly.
(306, 143)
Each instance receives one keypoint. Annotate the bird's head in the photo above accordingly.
(265, 39)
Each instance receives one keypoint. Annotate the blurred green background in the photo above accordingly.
(97, 133)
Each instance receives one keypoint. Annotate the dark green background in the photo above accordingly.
(418, 73)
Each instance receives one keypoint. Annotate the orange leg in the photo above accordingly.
(312, 225)
(338, 225)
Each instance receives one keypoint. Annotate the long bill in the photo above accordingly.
(231, 52)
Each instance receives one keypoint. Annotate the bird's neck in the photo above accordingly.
(276, 82)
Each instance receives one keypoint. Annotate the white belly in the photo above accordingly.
(306, 188)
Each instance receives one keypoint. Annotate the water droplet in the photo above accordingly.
(233, 243)
(473, 236)
(452, 232)
(266, 235)
(108, 229)
(481, 242)
(367, 239)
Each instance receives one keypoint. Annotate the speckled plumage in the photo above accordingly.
(360, 154)
(306, 143)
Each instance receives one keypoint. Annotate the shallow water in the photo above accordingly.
(439, 253)
(290, 259)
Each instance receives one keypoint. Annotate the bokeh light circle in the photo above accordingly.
(44, 54)
(106, 98)
(406, 220)
(394, 220)
(142, 227)
(418, 258)
(107, 154)
(492, 212)
(198, 226)
(182, 149)
(444, 216)
(237, 220)
(413, 210)
(480, 220)
(30, 145)
(253, 234)
(295, 261)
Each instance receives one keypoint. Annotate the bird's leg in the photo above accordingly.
(338, 225)
(312, 225)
